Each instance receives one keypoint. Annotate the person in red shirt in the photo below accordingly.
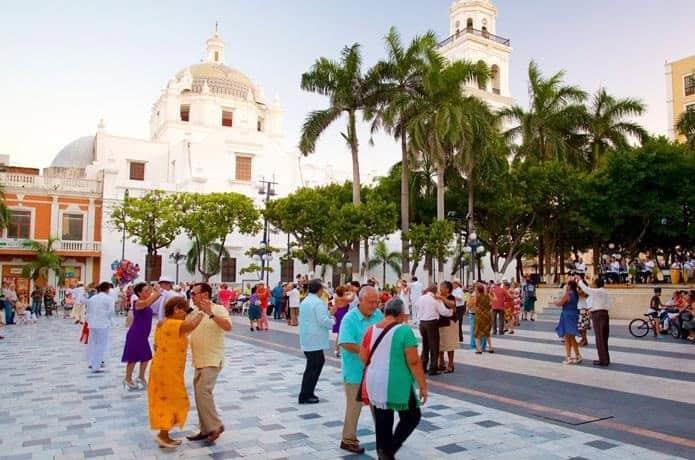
(264, 296)
(224, 296)
(500, 298)
(384, 297)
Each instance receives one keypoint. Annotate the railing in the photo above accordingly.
(50, 184)
(58, 245)
(479, 33)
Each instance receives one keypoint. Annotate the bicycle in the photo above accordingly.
(640, 327)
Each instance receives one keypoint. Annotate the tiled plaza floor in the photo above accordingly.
(53, 408)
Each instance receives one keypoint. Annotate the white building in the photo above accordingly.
(211, 130)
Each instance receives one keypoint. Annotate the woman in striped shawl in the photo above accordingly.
(392, 367)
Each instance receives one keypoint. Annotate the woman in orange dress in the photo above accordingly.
(264, 296)
(166, 392)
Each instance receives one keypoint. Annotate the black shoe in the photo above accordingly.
(310, 400)
(381, 455)
(354, 448)
(198, 437)
(434, 373)
(599, 363)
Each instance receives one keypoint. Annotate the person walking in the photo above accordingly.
(567, 325)
(36, 300)
(80, 295)
(353, 326)
(7, 303)
(529, 299)
(100, 309)
(341, 302)
(392, 367)
(428, 309)
(315, 324)
(278, 294)
(460, 298)
(137, 345)
(448, 329)
(500, 297)
(264, 296)
(599, 304)
(167, 399)
(293, 300)
(416, 290)
(483, 320)
(207, 351)
(403, 292)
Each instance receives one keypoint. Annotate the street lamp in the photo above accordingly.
(125, 201)
(475, 248)
(265, 187)
(451, 215)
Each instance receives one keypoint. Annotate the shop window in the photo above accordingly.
(19, 225)
(72, 227)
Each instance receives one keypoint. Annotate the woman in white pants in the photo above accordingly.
(100, 310)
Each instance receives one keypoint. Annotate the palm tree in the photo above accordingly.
(349, 92)
(205, 258)
(45, 260)
(606, 127)
(686, 127)
(4, 212)
(549, 129)
(400, 85)
(383, 257)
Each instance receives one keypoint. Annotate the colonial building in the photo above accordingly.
(473, 37)
(60, 204)
(680, 92)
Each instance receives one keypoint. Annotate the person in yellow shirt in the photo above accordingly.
(207, 350)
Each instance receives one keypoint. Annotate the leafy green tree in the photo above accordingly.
(209, 219)
(4, 211)
(206, 258)
(45, 260)
(153, 221)
(383, 257)
(400, 86)
(607, 127)
(686, 127)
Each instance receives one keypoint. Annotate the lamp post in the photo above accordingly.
(474, 248)
(177, 258)
(451, 215)
(265, 187)
(125, 201)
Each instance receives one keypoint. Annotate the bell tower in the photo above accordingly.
(473, 37)
(215, 48)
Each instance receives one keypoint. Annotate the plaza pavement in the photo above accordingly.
(53, 408)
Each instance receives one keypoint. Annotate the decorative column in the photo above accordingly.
(91, 214)
(55, 216)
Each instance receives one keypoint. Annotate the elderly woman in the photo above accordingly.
(392, 366)
(166, 393)
(137, 345)
(569, 319)
(483, 319)
(448, 328)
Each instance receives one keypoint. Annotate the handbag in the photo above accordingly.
(369, 358)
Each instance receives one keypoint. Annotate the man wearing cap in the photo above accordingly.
(166, 286)
(100, 309)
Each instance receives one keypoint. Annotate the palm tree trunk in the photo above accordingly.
(405, 200)
(383, 278)
(356, 186)
(471, 203)
(440, 214)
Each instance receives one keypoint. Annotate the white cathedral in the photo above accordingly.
(212, 129)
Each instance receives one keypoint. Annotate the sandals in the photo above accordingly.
(449, 370)
(569, 361)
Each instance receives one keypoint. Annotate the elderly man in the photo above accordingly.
(100, 309)
(429, 309)
(207, 351)
(315, 325)
(352, 328)
(166, 286)
(599, 303)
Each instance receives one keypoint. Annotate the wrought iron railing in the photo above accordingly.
(479, 33)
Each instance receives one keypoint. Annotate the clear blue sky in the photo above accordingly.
(66, 64)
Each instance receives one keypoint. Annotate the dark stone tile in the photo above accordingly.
(230, 407)
(248, 398)
(90, 397)
(602, 445)
(439, 407)
(34, 427)
(79, 426)
(333, 423)
(101, 406)
(488, 423)
(364, 432)
(309, 416)
(294, 436)
(369, 445)
(17, 457)
(7, 420)
(225, 454)
(271, 427)
(36, 442)
(282, 410)
(468, 413)
(427, 426)
(430, 414)
(98, 453)
(578, 458)
(451, 449)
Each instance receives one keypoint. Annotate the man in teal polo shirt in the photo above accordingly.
(352, 328)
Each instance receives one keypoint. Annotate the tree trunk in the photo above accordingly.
(405, 201)
(356, 186)
(596, 256)
(471, 203)
(440, 213)
(541, 255)
(383, 278)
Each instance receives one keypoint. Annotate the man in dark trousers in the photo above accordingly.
(599, 303)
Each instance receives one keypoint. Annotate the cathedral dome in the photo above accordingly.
(77, 154)
(221, 80)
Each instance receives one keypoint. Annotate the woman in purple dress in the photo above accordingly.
(137, 343)
(341, 302)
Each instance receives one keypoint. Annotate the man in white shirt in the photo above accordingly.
(166, 289)
(599, 303)
(100, 309)
(416, 288)
(460, 305)
(429, 308)
(293, 303)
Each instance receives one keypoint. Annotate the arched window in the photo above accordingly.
(496, 78)
(469, 23)
(458, 27)
(481, 86)
(217, 56)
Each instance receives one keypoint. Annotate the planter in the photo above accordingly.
(153, 267)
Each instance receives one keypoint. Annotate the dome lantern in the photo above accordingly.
(215, 48)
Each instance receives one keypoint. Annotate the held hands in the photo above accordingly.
(205, 306)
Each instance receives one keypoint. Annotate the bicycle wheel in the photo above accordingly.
(675, 331)
(639, 327)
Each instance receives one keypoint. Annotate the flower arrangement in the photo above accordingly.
(124, 272)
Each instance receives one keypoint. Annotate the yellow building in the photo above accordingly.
(680, 91)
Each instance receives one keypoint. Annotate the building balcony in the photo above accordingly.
(28, 182)
(476, 33)
(62, 247)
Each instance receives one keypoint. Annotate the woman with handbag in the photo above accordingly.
(448, 328)
(392, 367)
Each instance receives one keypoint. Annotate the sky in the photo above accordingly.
(65, 65)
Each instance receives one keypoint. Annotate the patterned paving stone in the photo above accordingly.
(98, 453)
(451, 449)
(488, 423)
(602, 445)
